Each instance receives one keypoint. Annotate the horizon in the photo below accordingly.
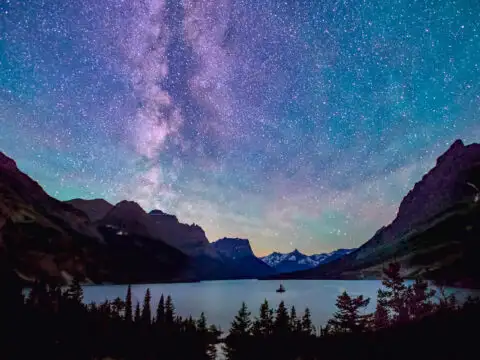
(296, 126)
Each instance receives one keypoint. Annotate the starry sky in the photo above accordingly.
(296, 124)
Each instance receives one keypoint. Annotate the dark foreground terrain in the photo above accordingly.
(410, 322)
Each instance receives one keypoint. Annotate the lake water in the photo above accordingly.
(220, 300)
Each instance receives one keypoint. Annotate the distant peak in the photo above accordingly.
(457, 144)
(233, 239)
(457, 147)
(233, 247)
(129, 204)
(6, 162)
(161, 215)
(96, 200)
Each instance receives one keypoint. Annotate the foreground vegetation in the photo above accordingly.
(411, 321)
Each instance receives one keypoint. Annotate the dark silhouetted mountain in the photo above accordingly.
(296, 261)
(239, 255)
(43, 238)
(233, 248)
(96, 209)
(130, 218)
(436, 230)
(191, 239)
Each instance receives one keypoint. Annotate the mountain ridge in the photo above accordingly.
(435, 229)
(238, 252)
(296, 261)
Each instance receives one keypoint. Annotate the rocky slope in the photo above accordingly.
(238, 254)
(43, 238)
(191, 239)
(95, 209)
(297, 261)
(435, 232)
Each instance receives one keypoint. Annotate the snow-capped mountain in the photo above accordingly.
(295, 260)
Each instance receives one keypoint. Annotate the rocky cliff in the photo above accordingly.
(233, 248)
(95, 209)
(436, 227)
(191, 239)
(43, 238)
(237, 255)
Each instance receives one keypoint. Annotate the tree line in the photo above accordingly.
(409, 318)
(400, 311)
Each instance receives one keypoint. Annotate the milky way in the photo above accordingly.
(296, 124)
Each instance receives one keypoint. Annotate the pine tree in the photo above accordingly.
(282, 320)
(295, 323)
(128, 305)
(263, 325)
(242, 323)
(306, 324)
(347, 318)
(146, 310)
(137, 316)
(445, 300)
(381, 318)
(117, 306)
(75, 291)
(169, 311)
(202, 323)
(160, 318)
(189, 325)
(395, 295)
(237, 345)
(420, 299)
(214, 336)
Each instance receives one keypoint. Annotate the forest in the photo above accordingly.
(410, 321)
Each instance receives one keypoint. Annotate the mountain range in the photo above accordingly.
(436, 231)
(435, 234)
(42, 238)
(296, 261)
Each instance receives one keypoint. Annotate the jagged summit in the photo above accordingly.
(157, 212)
(6, 162)
(233, 247)
(95, 209)
(295, 260)
(238, 252)
(438, 216)
(444, 185)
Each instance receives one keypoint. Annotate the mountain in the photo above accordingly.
(296, 261)
(95, 209)
(238, 255)
(132, 219)
(43, 238)
(191, 239)
(436, 230)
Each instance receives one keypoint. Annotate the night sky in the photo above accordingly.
(296, 124)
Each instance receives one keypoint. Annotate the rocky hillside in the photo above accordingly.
(131, 218)
(233, 248)
(191, 239)
(95, 209)
(43, 238)
(435, 232)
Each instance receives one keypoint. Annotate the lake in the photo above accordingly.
(220, 300)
